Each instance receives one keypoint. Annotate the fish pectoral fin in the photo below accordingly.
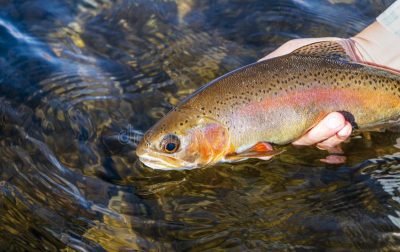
(328, 49)
(261, 150)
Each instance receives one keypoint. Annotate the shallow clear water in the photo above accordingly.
(81, 81)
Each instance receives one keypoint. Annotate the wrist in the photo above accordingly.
(376, 44)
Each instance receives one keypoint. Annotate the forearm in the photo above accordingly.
(379, 43)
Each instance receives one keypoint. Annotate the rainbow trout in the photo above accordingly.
(241, 114)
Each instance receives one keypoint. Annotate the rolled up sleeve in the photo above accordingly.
(390, 18)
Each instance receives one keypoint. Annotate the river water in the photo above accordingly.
(80, 82)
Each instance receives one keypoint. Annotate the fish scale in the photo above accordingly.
(357, 80)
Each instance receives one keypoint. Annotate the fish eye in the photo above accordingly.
(170, 143)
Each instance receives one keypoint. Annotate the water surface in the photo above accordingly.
(81, 81)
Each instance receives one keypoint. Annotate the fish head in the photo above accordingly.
(184, 139)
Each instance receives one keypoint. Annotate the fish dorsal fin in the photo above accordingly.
(327, 49)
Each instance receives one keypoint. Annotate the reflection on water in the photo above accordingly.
(82, 80)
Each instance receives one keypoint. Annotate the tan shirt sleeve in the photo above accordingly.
(390, 18)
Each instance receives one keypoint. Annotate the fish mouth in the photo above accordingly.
(165, 162)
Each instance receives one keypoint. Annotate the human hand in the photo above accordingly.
(374, 45)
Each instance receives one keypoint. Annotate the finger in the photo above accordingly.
(325, 129)
(337, 139)
(334, 159)
(334, 150)
(294, 44)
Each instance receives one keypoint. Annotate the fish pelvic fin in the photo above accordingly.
(261, 150)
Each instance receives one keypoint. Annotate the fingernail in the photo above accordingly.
(334, 123)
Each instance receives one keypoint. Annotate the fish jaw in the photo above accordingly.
(158, 163)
